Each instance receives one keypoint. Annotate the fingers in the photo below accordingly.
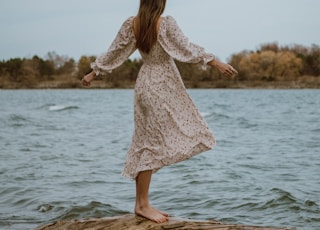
(85, 83)
(230, 71)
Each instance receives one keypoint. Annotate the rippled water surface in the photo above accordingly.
(62, 152)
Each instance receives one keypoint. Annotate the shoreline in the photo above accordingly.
(101, 84)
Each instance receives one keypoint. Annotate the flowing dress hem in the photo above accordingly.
(157, 164)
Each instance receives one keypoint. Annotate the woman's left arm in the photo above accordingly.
(121, 48)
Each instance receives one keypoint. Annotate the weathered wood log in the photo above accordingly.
(132, 222)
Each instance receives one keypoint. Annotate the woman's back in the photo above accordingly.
(157, 54)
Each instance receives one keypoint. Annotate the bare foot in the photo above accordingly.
(162, 213)
(151, 214)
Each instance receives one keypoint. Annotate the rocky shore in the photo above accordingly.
(132, 222)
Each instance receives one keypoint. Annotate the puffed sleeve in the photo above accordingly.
(121, 48)
(177, 45)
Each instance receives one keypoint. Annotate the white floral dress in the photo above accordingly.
(168, 127)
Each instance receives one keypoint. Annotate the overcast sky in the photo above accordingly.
(82, 27)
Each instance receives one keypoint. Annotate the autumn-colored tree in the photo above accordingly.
(254, 65)
(310, 56)
(270, 47)
(270, 65)
(287, 66)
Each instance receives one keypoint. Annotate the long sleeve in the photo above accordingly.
(177, 45)
(121, 48)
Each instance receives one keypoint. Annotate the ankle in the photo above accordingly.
(142, 202)
(142, 205)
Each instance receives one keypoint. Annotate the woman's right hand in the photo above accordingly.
(226, 69)
(87, 79)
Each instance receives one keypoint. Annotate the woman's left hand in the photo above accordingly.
(87, 79)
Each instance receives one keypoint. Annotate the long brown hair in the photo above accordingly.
(147, 22)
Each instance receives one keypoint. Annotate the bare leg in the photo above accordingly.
(143, 207)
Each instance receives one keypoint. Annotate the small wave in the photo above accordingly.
(277, 199)
(94, 209)
(44, 207)
(316, 130)
(285, 200)
(45, 106)
(61, 107)
(205, 114)
(215, 115)
(221, 105)
(283, 196)
(262, 105)
(243, 122)
(310, 203)
(17, 118)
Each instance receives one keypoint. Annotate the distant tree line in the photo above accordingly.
(30, 71)
(270, 62)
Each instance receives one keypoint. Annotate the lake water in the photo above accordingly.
(62, 152)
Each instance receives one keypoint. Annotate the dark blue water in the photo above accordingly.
(62, 152)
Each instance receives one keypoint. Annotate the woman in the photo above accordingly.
(168, 127)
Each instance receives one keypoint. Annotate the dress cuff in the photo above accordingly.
(99, 71)
(203, 65)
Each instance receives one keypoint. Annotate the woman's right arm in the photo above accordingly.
(177, 45)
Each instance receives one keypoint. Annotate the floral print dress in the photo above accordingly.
(168, 127)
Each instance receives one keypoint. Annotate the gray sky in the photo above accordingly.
(78, 27)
